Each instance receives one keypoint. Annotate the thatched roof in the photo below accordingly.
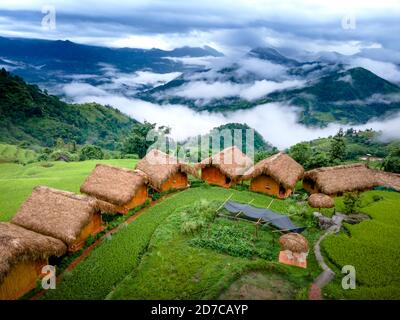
(159, 167)
(388, 179)
(280, 167)
(56, 213)
(294, 242)
(112, 184)
(231, 161)
(320, 200)
(344, 178)
(18, 244)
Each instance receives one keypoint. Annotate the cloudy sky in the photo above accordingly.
(345, 26)
(368, 27)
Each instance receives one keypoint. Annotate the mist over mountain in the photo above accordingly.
(316, 93)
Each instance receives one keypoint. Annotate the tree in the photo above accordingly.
(352, 202)
(142, 138)
(317, 160)
(392, 161)
(89, 152)
(337, 149)
(301, 152)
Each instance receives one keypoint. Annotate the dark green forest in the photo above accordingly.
(32, 116)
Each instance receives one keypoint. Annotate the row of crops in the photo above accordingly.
(117, 256)
(373, 248)
(10, 153)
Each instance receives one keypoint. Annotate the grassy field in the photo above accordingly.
(152, 258)
(17, 181)
(11, 153)
(372, 247)
(121, 255)
(175, 268)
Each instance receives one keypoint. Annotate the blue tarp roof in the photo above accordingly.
(279, 221)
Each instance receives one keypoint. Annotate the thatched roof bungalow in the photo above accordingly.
(225, 168)
(119, 190)
(23, 253)
(320, 200)
(276, 175)
(63, 215)
(339, 179)
(165, 172)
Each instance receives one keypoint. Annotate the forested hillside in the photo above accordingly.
(28, 114)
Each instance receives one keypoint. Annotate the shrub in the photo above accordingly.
(89, 152)
(197, 216)
(352, 202)
(233, 241)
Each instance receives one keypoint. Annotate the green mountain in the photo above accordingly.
(353, 96)
(30, 115)
(348, 96)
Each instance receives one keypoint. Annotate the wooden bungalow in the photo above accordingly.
(339, 179)
(276, 175)
(164, 171)
(119, 190)
(23, 253)
(225, 168)
(63, 215)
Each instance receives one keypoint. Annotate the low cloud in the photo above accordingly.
(385, 70)
(277, 123)
(201, 90)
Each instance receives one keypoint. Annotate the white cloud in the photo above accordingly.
(207, 91)
(262, 68)
(277, 123)
(385, 70)
(204, 91)
(79, 89)
(147, 78)
(264, 87)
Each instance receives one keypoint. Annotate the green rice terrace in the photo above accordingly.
(180, 248)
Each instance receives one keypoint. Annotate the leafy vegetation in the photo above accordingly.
(351, 202)
(197, 216)
(142, 137)
(347, 146)
(11, 153)
(30, 115)
(177, 267)
(392, 161)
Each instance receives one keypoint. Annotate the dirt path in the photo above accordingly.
(327, 274)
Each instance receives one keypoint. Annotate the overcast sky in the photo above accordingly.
(226, 25)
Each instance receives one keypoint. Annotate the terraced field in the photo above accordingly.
(372, 247)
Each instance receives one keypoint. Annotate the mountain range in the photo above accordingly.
(322, 88)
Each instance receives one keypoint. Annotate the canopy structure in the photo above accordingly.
(279, 221)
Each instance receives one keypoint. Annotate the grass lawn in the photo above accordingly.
(372, 247)
(17, 181)
(152, 234)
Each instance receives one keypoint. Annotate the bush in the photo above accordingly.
(197, 216)
(89, 152)
(352, 202)
(235, 242)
